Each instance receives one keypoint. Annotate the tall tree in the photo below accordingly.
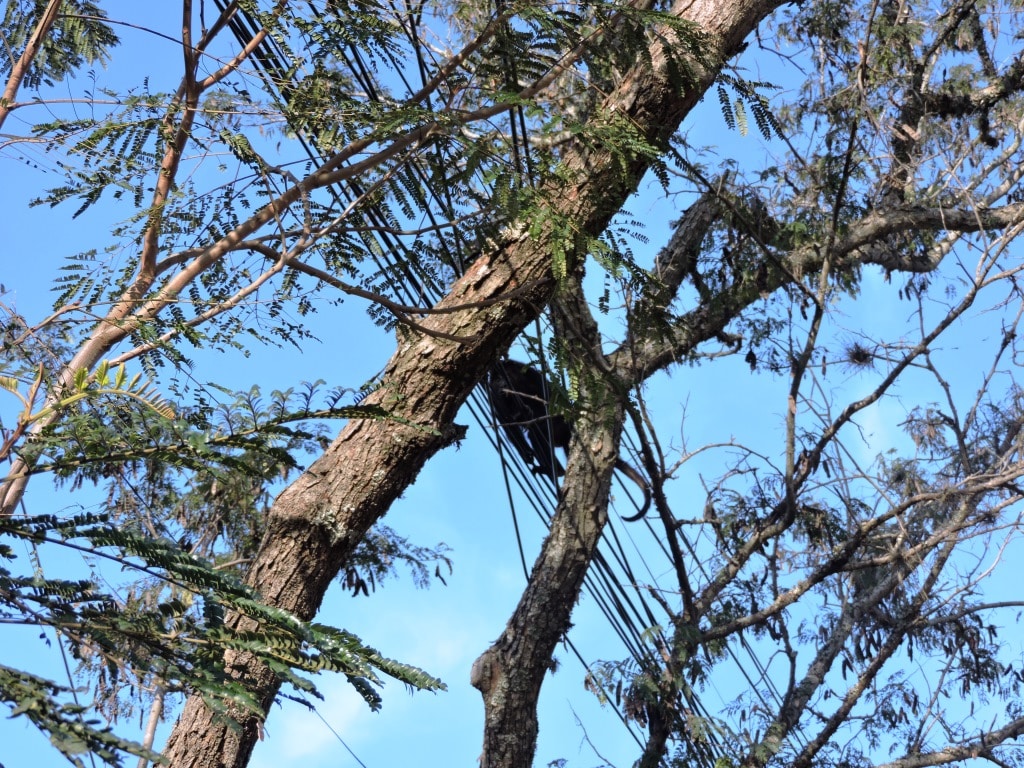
(518, 146)
(315, 523)
(845, 567)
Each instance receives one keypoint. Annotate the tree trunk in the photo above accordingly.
(509, 673)
(315, 523)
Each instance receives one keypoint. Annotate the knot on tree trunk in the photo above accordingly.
(485, 672)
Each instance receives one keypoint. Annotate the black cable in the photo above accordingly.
(625, 605)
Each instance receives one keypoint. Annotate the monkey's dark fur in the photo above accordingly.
(520, 398)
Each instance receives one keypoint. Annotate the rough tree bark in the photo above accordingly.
(509, 673)
(316, 522)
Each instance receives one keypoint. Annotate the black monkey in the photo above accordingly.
(519, 396)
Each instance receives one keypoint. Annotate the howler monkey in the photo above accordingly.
(520, 398)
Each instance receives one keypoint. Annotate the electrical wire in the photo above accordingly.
(611, 582)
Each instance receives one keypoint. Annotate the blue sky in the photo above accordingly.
(442, 629)
(452, 624)
(459, 499)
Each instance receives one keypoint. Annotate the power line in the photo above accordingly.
(610, 581)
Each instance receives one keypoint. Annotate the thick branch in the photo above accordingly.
(20, 68)
(959, 103)
(983, 746)
(316, 522)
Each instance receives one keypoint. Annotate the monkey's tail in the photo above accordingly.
(630, 471)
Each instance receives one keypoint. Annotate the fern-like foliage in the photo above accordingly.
(49, 706)
(750, 96)
(183, 495)
(178, 641)
(79, 37)
(204, 475)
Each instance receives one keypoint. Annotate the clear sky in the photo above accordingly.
(459, 499)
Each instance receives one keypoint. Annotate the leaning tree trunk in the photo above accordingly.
(509, 673)
(315, 523)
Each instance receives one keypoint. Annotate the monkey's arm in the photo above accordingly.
(512, 414)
